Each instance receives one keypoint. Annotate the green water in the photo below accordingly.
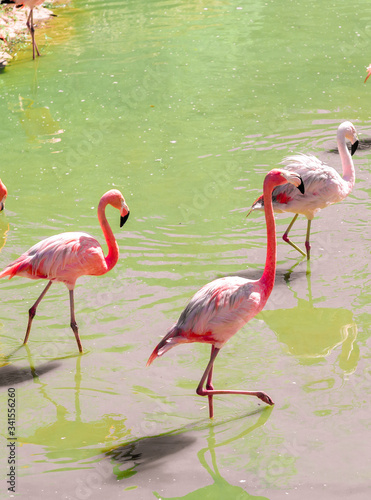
(184, 106)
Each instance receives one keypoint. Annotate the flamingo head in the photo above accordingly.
(279, 176)
(115, 198)
(348, 130)
(368, 73)
(124, 211)
(3, 195)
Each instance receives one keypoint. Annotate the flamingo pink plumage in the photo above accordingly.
(368, 73)
(323, 185)
(220, 308)
(67, 256)
(3, 195)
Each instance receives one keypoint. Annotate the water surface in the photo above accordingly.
(184, 107)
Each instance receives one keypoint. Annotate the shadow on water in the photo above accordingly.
(11, 375)
(281, 274)
(148, 453)
(311, 333)
(363, 145)
(221, 489)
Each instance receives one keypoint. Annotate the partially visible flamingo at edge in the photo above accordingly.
(368, 73)
(3, 195)
(31, 4)
(220, 308)
(67, 256)
(323, 184)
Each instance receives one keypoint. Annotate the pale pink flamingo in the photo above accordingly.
(3, 195)
(323, 185)
(31, 4)
(67, 256)
(368, 73)
(222, 307)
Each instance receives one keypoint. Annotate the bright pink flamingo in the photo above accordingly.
(222, 307)
(323, 185)
(368, 73)
(67, 256)
(3, 195)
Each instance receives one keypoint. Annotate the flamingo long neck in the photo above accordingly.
(113, 249)
(346, 161)
(270, 263)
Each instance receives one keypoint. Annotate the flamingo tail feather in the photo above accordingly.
(171, 339)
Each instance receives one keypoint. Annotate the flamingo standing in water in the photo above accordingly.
(31, 4)
(222, 307)
(67, 256)
(368, 73)
(3, 195)
(323, 185)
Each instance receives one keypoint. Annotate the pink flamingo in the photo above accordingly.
(323, 185)
(3, 195)
(368, 73)
(222, 307)
(67, 256)
(31, 4)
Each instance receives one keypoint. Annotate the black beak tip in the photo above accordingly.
(301, 187)
(2, 206)
(124, 219)
(354, 148)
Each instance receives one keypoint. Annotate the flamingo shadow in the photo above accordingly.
(151, 452)
(282, 275)
(11, 375)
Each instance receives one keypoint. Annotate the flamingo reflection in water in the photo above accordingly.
(221, 488)
(311, 333)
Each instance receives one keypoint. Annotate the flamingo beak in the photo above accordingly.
(354, 148)
(123, 219)
(301, 186)
(2, 206)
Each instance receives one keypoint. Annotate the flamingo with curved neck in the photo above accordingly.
(67, 256)
(221, 308)
(323, 185)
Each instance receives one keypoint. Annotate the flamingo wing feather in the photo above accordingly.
(214, 314)
(63, 257)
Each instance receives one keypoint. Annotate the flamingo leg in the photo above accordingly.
(32, 311)
(307, 244)
(73, 321)
(211, 391)
(286, 238)
(31, 28)
(209, 386)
